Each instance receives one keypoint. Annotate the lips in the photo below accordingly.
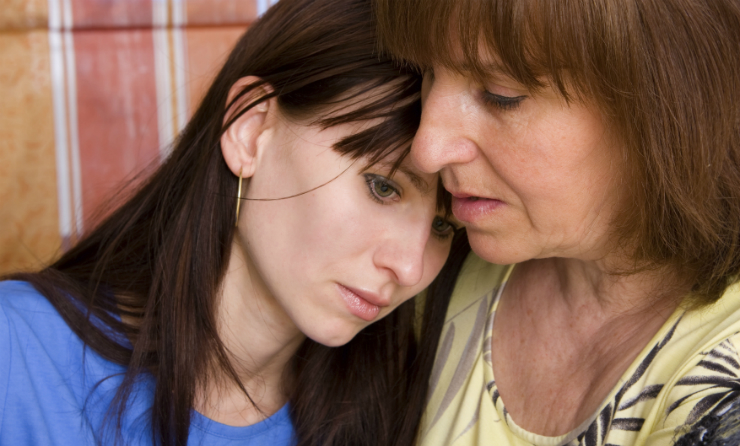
(362, 304)
(471, 209)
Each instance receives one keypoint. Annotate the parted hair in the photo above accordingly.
(665, 74)
(150, 272)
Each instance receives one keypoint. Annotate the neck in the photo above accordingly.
(595, 296)
(564, 333)
(260, 340)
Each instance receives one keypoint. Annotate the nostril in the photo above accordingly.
(405, 265)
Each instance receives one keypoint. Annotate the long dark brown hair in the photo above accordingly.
(150, 272)
(665, 74)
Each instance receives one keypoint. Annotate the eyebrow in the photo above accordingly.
(419, 183)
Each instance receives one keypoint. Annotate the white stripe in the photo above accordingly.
(159, 13)
(55, 15)
(165, 118)
(262, 6)
(181, 77)
(56, 57)
(67, 14)
(74, 136)
(179, 16)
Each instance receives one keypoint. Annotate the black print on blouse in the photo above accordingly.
(609, 418)
(714, 420)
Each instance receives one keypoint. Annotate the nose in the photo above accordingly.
(442, 139)
(402, 252)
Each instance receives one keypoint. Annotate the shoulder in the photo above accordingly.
(468, 312)
(43, 383)
(701, 398)
(703, 402)
(477, 282)
(31, 329)
(19, 295)
(23, 310)
(463, 355)
(26, 315)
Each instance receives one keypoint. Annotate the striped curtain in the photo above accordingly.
(92, 92)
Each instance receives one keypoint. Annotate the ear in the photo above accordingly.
(240, 143)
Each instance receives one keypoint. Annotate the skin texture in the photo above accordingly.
(536, 181)
(550, 167)
(294, 259)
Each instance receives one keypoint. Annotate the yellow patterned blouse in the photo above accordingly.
(688, 372)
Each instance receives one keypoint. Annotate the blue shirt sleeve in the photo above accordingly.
(5, 361)
(54, 391)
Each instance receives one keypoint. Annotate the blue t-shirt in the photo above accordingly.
(49, 396)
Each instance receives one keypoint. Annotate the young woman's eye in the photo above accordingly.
(502, 102)
(381, 188)
(442, 228)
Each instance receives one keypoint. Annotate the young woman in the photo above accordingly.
(285, 222)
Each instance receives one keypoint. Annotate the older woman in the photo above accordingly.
(592, 148)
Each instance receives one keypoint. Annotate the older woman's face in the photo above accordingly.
(531, 176)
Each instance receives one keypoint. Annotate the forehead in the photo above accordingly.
(422, 182)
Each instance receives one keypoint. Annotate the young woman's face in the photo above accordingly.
(351, 247)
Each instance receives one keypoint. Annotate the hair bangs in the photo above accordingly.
(536, 43)
(396, 104)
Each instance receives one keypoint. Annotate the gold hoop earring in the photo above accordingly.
(238, 198)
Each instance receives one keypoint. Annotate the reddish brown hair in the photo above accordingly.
(665, 74)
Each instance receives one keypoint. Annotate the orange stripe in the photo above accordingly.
(221, 12)
(29, 232)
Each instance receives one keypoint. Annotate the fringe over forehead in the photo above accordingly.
(529, 39)
(581, 47)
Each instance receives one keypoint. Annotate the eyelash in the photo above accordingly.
(445, 235)
(373, 180)
(504, 103)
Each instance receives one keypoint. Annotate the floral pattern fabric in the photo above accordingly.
(686, 378)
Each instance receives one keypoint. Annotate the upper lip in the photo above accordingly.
(459, 190)
(462, 195)
(373, 298)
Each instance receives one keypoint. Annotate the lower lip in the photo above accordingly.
(470, 209)
(359, 306)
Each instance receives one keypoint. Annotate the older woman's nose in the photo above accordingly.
(442, 138)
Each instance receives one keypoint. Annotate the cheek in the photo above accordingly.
(435, 257)
(331, 230)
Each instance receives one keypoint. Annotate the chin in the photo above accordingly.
(488, 247)
(335, 336)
